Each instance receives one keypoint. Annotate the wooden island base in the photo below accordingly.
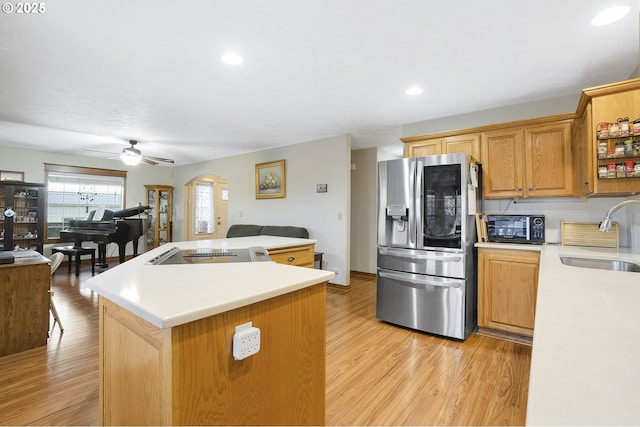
(186, 375)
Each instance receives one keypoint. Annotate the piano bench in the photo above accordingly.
(73, 251)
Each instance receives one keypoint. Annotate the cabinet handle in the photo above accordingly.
(530, 189)
(290, 259)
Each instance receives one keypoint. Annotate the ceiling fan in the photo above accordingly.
(132, 156)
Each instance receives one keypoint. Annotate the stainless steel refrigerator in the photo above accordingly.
(426, 275)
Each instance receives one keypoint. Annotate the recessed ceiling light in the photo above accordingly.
(610, 15)
(232, 58)
(414, 90)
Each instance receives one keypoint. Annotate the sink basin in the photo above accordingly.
(601, 264)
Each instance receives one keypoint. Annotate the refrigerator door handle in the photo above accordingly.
(442, 257)
(420, 281)
(414, 215)
(417, 203)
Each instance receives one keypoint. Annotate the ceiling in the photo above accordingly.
(90, 75)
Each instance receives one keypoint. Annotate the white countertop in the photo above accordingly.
(585, 365)
(171, 295)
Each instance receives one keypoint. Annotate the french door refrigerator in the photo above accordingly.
(426, 275)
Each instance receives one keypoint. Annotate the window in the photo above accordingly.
(204, 210)
(72, 192)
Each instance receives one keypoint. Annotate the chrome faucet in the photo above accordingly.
(605, 225)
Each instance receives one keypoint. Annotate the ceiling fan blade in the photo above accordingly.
(147, 161)
(98, 151)
(159, 159)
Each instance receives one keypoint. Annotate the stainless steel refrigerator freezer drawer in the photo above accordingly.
(447, 264)
(425, 303)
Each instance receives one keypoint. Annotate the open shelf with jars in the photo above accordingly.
(619, 157)
(22, 225)
(618, 149)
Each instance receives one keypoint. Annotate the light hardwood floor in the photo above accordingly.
(377, 374)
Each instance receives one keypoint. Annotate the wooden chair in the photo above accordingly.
(56, 260)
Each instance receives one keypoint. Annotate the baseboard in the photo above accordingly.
(507, 336)
(363, 274)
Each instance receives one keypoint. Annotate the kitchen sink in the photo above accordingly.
(601, 264)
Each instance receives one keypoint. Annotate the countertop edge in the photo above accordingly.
(202, 290)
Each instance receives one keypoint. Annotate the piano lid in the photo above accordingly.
(126, 213)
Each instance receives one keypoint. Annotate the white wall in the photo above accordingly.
(31, 162)
(325, 215)
(548, 107)
(364, 205)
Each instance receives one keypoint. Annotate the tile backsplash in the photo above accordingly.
(573, 209)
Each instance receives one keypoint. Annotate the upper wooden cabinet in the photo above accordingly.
(548, 160)
(469, 144)
(422, 148)
(503, 164)
(583, 154)
(525, 158)
(464, 143)
(607, 104)
(531, 161)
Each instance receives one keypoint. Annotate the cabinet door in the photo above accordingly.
(468, 144)
(507, 289)
(583, 155)
(502, 163)
(423, 148)
(548, 160)
(608, 108)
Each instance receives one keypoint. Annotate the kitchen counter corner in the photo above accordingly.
(584, 365)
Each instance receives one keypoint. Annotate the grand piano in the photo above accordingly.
(114, 227)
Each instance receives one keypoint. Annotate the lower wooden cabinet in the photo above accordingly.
(507, 289)
(24, 304)
(187, 375)
(301, 256)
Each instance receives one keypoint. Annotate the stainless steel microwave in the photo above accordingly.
(516, 228)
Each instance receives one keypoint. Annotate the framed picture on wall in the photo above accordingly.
(271, 182)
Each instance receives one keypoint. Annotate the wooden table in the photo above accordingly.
(24, 304)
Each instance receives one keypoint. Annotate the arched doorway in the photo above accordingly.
(206, 208)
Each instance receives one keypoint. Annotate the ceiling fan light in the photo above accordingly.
(231, 58)
(610, 15)
(130, 158)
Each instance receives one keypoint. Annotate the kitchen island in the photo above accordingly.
(584, 363)
(166, 335)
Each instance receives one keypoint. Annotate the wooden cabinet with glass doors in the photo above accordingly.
(22, 216)
(159, 199)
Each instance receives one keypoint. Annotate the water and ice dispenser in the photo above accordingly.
(397, 225)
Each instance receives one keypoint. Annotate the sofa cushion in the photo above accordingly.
(285, 231)
(243, 230)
